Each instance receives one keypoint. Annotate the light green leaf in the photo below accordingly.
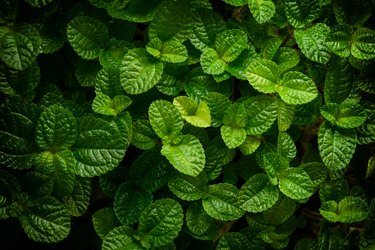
(211, 62)
(77, 203)
(47, 162)
(269, 48)
(187, 156)
(221, 202)
(104, 220)
(232, 136)
(100, 146)
(170, 51)
(345, 115)
(263, 75)
(285, 114)
(230, 43)
(336, 146)
(104, 105)
(274, 164)
(165, 118)
(301, 12)
(120, 238)
(46, 220)
(258, 194)
(232, 241)
(250, 145)
(217, 103)
(187, 187)
(261, 114)
(286, 146)
(197, 220)
(286, 58)
(296, 88)
(262, 10)
(130, 200)
(312, 42)
(143, 135)
(281, 211)
(370, 167)
(235, 116)
(339, 40)
(363, 43)
(160, 223)
(349, 210)
(39, 3)
(139, 71)
(87, 36)
(296, 184)
(196, 114)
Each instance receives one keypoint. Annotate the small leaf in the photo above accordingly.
(187, 157)
(286, 58)
(78, 201)
(262, 10)
(301, 12)
(196, 114)
(120, 238)
(296, 184)
(86, 72)
(286, 146)
(250, 145)
(370, 167)
(104, 105)
(339, 40)
(363, 42)
(230, 43)
(258, 194)
(170, 51)
(104, 220)
(312, 42)
(107, 82)
(143, 135)
(139, 71)
(197, 220)
(263, 75)
(221, 202)
(232, 241)
(316, 171)
(211, 62)
(274, 164)
(87, 36)
(160, 223)
(217, 103)
(345, 115)
(296, 88)
(233, 137)
(285, 114)
(187, 187)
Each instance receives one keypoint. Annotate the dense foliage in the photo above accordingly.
(187, 124)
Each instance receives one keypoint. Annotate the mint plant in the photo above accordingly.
(187, 124)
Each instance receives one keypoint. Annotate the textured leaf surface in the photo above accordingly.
(39, 3)
(217, 103)
(104, 105)
(197, 114)
(143, 135)
(296, 184)
(285, 114)
(187, 157)
(139, 71)
(170, 51)
(349, 210)
(345, 115)
(263, 75)
(363, 43)
(77, 203)
(297, 88)
(160, 223)
(47, 162)
(281, 211)
(250, 145)
(197, 220)
(286, 146)
(258, 194)
(221, 202)
(107, 82)
(262, 10)
(232, 241)
(302, 12)
(232, 136)
(104, 220)
(274, 164)
(87, 35)
(316, 171)
(188, 187)
(230, 43)
(339, 40)
(335, 190)
(312, 42)
(165, 118)
(336, 146)
(211, 62)
(286, 58)
(120, 238)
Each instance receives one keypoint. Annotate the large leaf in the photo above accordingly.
(188, 187)
(221, 202)
(139, 71)
(345, 115)
(296, 184)
(258, 194)
(87, 36)
(262, 10)
(363, 42)
(263, 75)
(312, 42)
(160, 223)
(187, 156)
(46, 220)
(296, 88)
(120, 238)
(230, 43)
(301, 12)
(336, 146)
(107, 82)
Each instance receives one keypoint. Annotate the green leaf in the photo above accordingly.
(139, 71)
(120, 238)
(261, 113)
(366, 132)
(230, 43)
(56, 128)
(46, 220)
(107, 82)
(77, 203)
(196, 114)
(262, 10)
(274, 164)
(258, 194)
(104, 220)
(370, 167)
(296, 184)
(232, 241)
(113, 53)
(275, 239)
(286, 58)
(233, 137)
(217, 103)
(39, 3)
(100, 146)
(19, 45)
(302, 12)
(235, 116)
(263, 75)
(187, 187)
(352, 13)
(130, 201)
(221, 202)
(286, 146)
(285, 115)
(160, 223)
(333, 190)
(281, 211)
(87, 36)
(104, 105)
(63, 183)
(9, 193)
(197, 220)
(165, 118)
(36, 184)
(339, 40)
(187, 156)
(211, 62)
(316, 171)
(47, 162)
(296, 88)
(170, 51)
(250, 145)
(336, 146)
(236, 2)
(363, 42)
(345, 115)
(86, 72)
(349, 210)
(143, 135)
(312, 42)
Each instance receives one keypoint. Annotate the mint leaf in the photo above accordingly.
(143, 135)
(286, 58)
(120, 238)
(165, 118)
(262, 10)
(286, 146)
(363, 42)
(312, 42)
(196, 114)
(211, 62)
(336, 146)
(285, 114)
(333, 190)
(160, 223)
(339, 40)
(281, 211)
(316, 171)
(47, 162)
(250, 145)
(221, 202)
(230, 43)
(9, 193)
(104, 105)
(296, 88)
(197, 220)
(104, 220)
(296, 184)
(139, 71)
(300, 13)
(274, 164)
(170, 51)
(234, 119)
(78, 201)
(107, 82)
(188, 187)
(258, 194)
(263, 75)
(232, 136)
(345, 115)
(349, 210)
(187, 156)
(87, 36)
(111, 56)
(217, 104)
(233, 241)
